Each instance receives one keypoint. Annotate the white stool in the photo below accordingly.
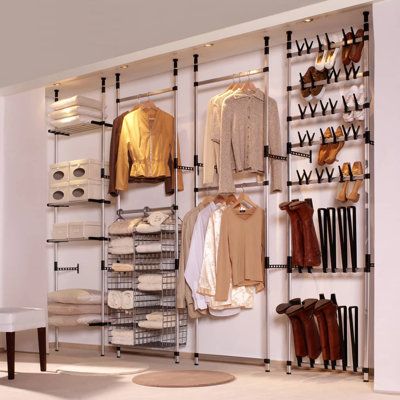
(14, 319)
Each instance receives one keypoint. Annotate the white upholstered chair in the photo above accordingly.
(14, 319)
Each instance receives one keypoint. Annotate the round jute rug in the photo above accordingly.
(181, 379)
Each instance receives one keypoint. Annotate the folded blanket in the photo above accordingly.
(149, 248)
(121, 250)
(71, 121)
(76, 110)
(63, 320)
(121, 242)
(75, 296)
(156, 218)
(73, 309)
(121, 267)
(123, 227)
(154, 287)
(150, 278)
(147, 228)
(114, 299)
(127, 300)
(76, 101)
(156, 324)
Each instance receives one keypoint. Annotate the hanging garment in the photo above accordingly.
(195, 258)
(149, 142)
(184, 293)
(241, 250)
(241, 296)
(114, 145)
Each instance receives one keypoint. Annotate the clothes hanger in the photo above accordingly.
(244, 200)
(219, 198)
(230, 199)
(249, 85)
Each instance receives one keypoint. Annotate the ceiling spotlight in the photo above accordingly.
(308, 20)
(209, 45)
(56, 84)
(124, 66)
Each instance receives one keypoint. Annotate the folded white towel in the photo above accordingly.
(121, 267)
(155, 316)
(156, 324)
(121, 242)
(147, 228)
(149, 248)
(127, 300)
(75, 296)
(122, 336)
(71, 121)
(155, 287)
(150, 278)
(76, 110)
(73, 309)
(76, 101)
(123, 226)
(114, 299)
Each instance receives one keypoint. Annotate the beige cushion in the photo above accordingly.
(75, 296)
(73, 309)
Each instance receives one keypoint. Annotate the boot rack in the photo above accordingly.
(89, 127)
(174, 207)
(264, 185)
(326, 176)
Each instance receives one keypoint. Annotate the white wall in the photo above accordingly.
(250, 326)
(23, 271)
(387, 279)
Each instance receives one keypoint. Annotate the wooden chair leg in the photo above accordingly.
(42, 348)
(10, 341)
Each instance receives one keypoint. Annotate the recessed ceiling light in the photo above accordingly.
(124, 66)
(308, 20)
(209, 45)
(56, 84)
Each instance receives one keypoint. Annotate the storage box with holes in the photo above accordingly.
(83, 230)
(60, 231)
(59, 193)
(59, 173)
(85, 189)
(86, 169)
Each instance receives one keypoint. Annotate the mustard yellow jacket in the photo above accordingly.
(148, 138)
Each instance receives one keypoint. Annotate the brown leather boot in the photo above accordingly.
(323, 334)
(297, 234)
(312, 252)
(305, 315)
(329, 309)
(300, 346)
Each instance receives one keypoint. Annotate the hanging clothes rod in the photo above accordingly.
(144, 210)
(233, 76)
(147, 94)
(237, 186)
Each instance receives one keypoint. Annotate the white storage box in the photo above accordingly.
(59, 173)
(83, 229)
(59, 193)
(84, 189)
(60, 231)
(86, 169)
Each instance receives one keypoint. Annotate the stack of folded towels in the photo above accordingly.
(119, 299)
(153, 283)
(121, 245)
(122, 336)
(158, 320)
(74, 111)
(74, 307)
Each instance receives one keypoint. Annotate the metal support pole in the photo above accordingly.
(175, 79)
(55, 245)
(289, 197)
(267, 361)
(103, 228)
(196, 172)
(117, 96)
(367, 204)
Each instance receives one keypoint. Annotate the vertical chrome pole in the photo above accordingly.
(117, 97)
(103, 195)
(195, 173)
(367, 203)
(175, 206)
(55, 245)
(267, 362)
(289, 197)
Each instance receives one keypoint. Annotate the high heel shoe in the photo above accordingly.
(346, 50)
(342, 187)
(335, 147)
(356, 48)
(324, 148)
(356, 170)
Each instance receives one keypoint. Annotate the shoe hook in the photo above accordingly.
(323, 139)
(301, 81)
(333, 106)
(310, 137)
(330, 173)
(347, 131)
(301, 138)
(355, 131)
(308, 45)
(299, 48)
(324, 107)
(312, 109)
(328, 42)
(319, 175)
(346, 107)
(302, 112)
(333, 134)
(320, 45)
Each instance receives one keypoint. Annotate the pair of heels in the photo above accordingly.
(356, 92)
(318, 91)
(353, 51)
(328, 152)
(327, 58)
(348, 190)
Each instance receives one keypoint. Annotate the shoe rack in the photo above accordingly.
(322, 110)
